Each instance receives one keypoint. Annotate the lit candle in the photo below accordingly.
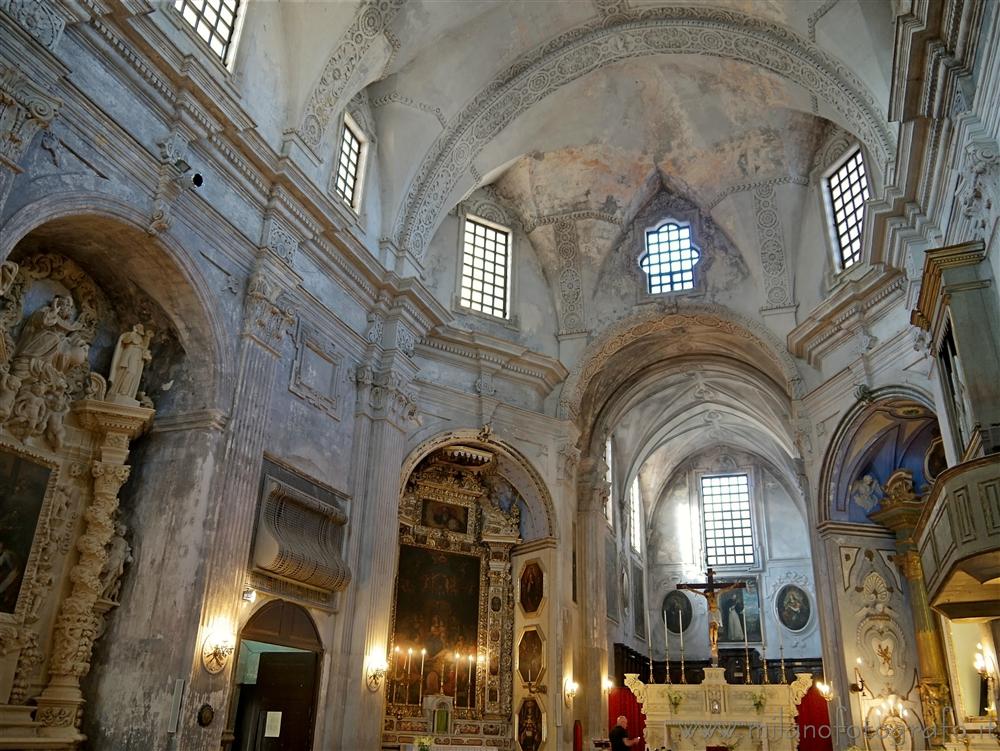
(420, 693)
(746, 646)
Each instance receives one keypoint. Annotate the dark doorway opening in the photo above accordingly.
(277, 673)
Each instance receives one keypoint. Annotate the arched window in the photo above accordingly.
(634, 513)
(670, 258)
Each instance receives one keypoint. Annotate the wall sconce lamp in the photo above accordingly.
(859, 686)
(607, 684)
(570, 689)
(825, 690)
(217, 648)
(375, 672)
(249, 595)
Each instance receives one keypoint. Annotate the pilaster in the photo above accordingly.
(266, 320)
(593, 491)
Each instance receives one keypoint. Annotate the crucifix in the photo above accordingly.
(710, 590)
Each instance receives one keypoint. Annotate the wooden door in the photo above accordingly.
(285, 692)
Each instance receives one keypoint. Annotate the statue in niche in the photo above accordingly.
(119, 554)
(131, 355)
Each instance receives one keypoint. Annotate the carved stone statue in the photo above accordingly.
(119, 554)
(131, 355)
(35, 392)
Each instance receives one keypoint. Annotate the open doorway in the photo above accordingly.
(277, 671)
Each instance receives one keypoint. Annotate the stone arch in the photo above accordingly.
(151, 260)
(661, 31)
(837, 458)
(514, 465)
(661, 321)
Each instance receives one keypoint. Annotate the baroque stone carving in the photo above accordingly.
(653, 31)
(119, 554)
(266, 319)
(316, 371)
(281, 242)
(777, 279)
(46, 368)
(38, 19)
(131, 355)
(370, 21)
(976, 199)
(25, 108)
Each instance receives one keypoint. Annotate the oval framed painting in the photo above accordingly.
(793, 607)
(677, 607)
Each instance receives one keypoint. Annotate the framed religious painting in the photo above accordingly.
(447, 516)
(22, 490)
(793, 607)
(740, 612)
(678, 611)
(532, 587)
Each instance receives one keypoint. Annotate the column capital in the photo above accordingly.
(385, 394)
(266, 315)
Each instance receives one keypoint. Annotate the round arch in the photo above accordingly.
(512, 463)
(835, 461)
(662, 31)
(150, 261)
(284, 623)
(713, 318)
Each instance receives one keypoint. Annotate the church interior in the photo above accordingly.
(434, 375)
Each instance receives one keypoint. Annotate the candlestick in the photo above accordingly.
(746, 647)
(781, 653)
(469, 689)
(395, 667)
(420, 693)
(454, 694)
(666, 644)
(680, 628)
(409, 656)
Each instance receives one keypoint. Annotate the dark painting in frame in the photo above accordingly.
(22, 491)
(447, 516)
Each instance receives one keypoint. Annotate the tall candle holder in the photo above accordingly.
(781, 650)
(683, 674)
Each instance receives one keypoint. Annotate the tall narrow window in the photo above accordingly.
(214, 21)
(848, 191)
(728, 529)
(349, 165)
(609, 513)
(486, 268)
(669, 258)
(635, 516)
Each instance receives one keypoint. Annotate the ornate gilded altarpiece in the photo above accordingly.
(455, 595)
(64, 441)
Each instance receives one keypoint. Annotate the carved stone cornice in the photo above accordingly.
(932, 298)
(839, 319)
(39, 19)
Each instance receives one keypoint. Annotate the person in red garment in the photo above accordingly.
(619, 735)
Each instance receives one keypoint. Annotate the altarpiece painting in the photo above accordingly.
(739, 607)
(22, 490)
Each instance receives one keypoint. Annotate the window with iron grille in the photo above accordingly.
(348, 166)
(213, 20)
(485, 268)
(635, 516)
(670, 258)
(848, 191)
(728, 529)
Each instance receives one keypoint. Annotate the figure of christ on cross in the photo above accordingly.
(711, 590)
